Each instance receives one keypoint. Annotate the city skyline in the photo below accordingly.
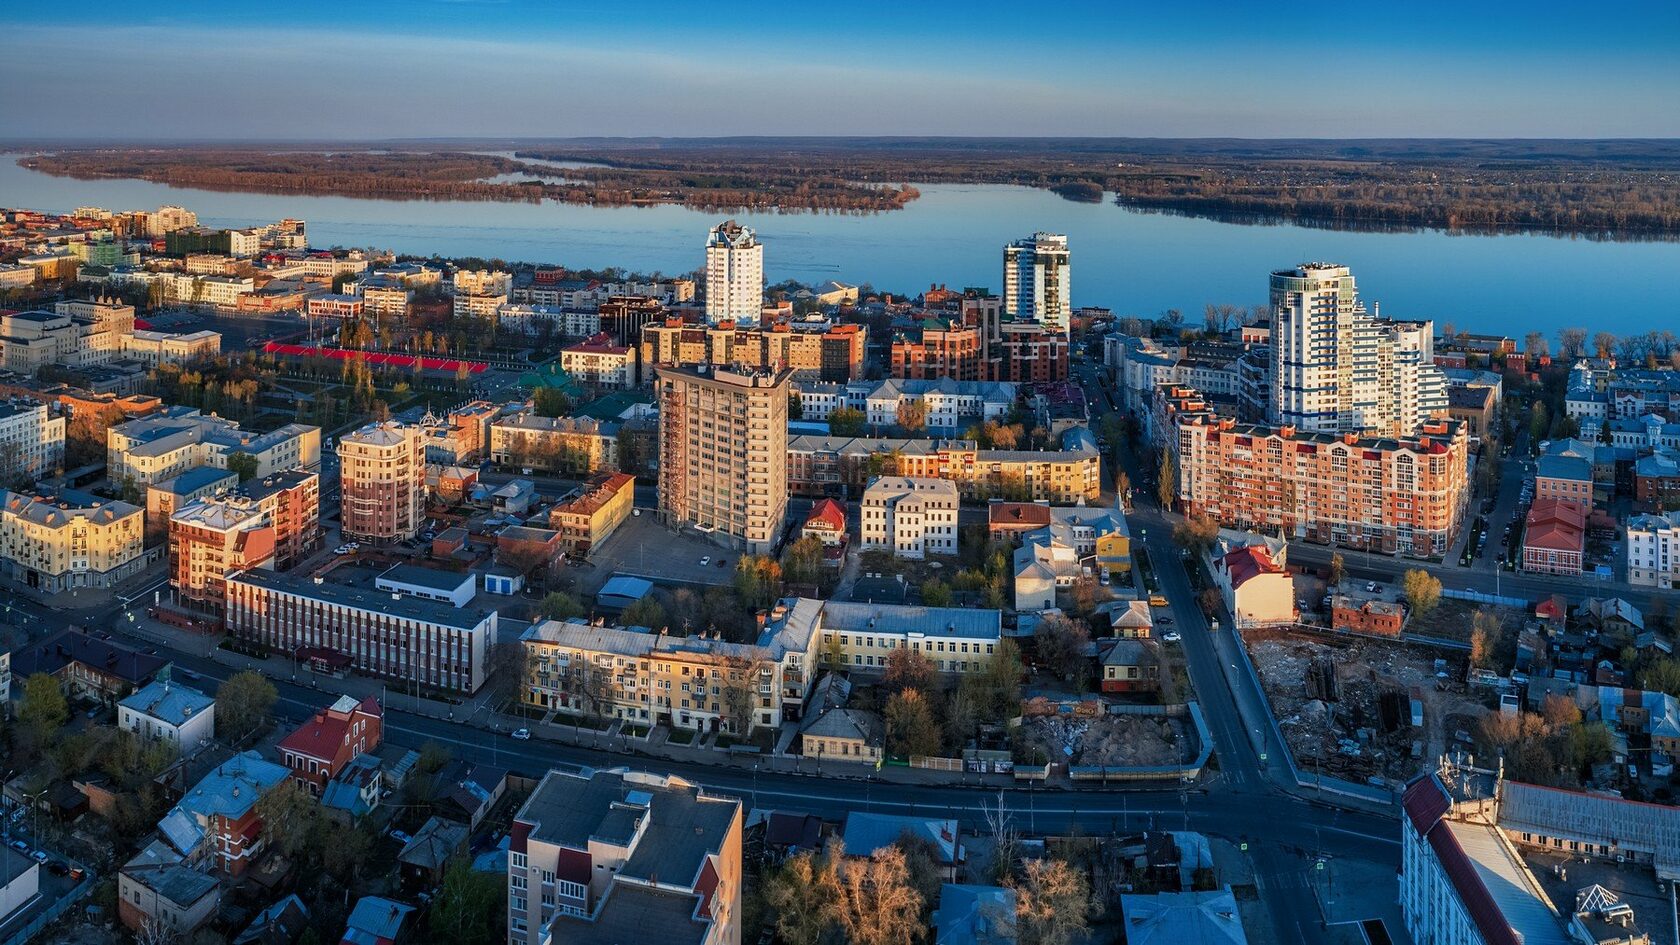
(520, 68)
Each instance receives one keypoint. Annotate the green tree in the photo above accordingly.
(44, 709)
(846, 421)
(911, 729)
(647, 612)
(558, 605)
(243, 464)
(550, 402)
(471, 907)
(1422, 590)
(1166, 482)
(936, 593)
(1662, 675)
(758, 580)
(244, 704)
(796, 406)
(1196, 534)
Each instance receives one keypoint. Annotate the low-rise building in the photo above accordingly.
(166, 444)
(405, 638)
(910, 517)
(1130, 665)
(154, 348)
(600, 363)
(332, 305)
(164, 710)
(837, 466)
(578, 446)
(215, 824)
(1554, 537)
(610, 856)
(842, 734)
(1473, 406)
(1257, 587)
(158, 891)
(316, 752)
(51, 544)
(594, 512)
(1565, 477)
(87, 666)
(1377, 617)
(826, 523)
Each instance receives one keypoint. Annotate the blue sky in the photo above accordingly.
(358, 70)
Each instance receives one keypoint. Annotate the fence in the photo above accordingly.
(53, 912)
(1477, 597)
(935, 763)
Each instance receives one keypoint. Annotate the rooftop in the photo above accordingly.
(71, 645)
(630, 914)
(414, 575)
(170, 702)
(401, 605)
(912, 619)
(1177, 918)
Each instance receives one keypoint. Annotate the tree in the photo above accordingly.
(1534, 346)
(1196, 534)
(550, 402)
(907, 668)
(1604, 343)
(846, 421)
(244, 464)
(758, 580)
(911, 729)
(1006, 838)
(1572, 343)
(44, 709)
(1538, 421)
(912, 416)
(802, 561)
(1484, 638)
(1661, 675)
(289, 815)
(804, 894)
(647, 612)
(507, 670)
(470, 907)
(1166, 482)
(1051, 899)
(1338, 569)
(936, 593)
(1422, 589)
(1063, 646)
(243, 705)
(558, 605)
(877, 905)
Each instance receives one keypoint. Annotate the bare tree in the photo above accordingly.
(1572, 343)
(1006, 837)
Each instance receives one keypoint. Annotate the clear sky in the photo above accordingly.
(360, 70)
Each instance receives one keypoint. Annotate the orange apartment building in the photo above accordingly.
(814, 351)
(271, 522)
(1018, 352)
(586, 519)
(1394, 495)
(383, 480)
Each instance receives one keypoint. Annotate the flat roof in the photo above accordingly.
(416, 576)
(403, 605)
(1521, 902)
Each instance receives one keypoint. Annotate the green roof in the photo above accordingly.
(612, 405)
(550, 375)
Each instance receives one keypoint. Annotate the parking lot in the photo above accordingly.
(55, 881)
(646, 549)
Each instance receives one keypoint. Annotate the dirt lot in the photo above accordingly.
(1118, 740)
(1343, 704)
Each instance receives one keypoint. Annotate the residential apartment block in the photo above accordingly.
(382, 474)
(723, 453)
(1337, 369)
(586, 518)
(31, 438)
(734, 274)
(839, 466)
(478, 293)
(598, 362)
(948, 406)
(1653, 551)
(1010, 351)
(1396, 495)
(613, 856)
(534, 320)
(381, 634)
(52, 544)
(814, 349)
(212, 538)
(1036, 281)
(577, 446)
(910, 517)
(173, 441)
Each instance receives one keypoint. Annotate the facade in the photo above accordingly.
(1036, 278)
(724, 453)
(611, 856)
(153, 348)
(212, 538)
(319, 749)
(948, 349)
(31, 438)
(598, 362)
(336, 306)
(910, 517)
(1257, 588)
(156, 889)
(579, 446)
(215, 825)
(478, 293)
(814, 349)
(734, 274)
(89, 667)
(533, 320)
(384, 299)
(1337, 369)
(171, 442)
(841, 734)
(837, 466)
(1474, 407)
(380, 634)
(595, 512)
(52, 545)
(1554, 537)
(1402, 495)
(1565, 477)
(166, 711)
(383, 480)
(1653, 551)
(1130, 665)
(1376, 617)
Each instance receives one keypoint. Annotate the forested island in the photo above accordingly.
(1625, 189)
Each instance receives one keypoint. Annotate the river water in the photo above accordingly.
(1135, 263)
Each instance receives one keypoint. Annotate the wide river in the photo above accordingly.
(1134, 263)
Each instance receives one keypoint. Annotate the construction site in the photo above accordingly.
(1359, 709)
(1096, 737)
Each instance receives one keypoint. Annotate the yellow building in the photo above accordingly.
(576, 445)
(53, 546)
(586, 520)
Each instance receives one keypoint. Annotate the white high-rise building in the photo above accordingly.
(1035, 280)
(1337, 368)
(734, 273)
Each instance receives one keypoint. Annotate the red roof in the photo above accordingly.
(1556, 525)
(1250, 562)
(322, 736)
(1018, 514)
(827, 513)
(1425, 803)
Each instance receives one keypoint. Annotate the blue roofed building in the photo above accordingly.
(974, 915)
(866, 833)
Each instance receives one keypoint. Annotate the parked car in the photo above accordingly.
(400, 837)
(1171, 636)
(1370, 587)
(705, 560)
(20, 846)
(39, 856)
(522, 734)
